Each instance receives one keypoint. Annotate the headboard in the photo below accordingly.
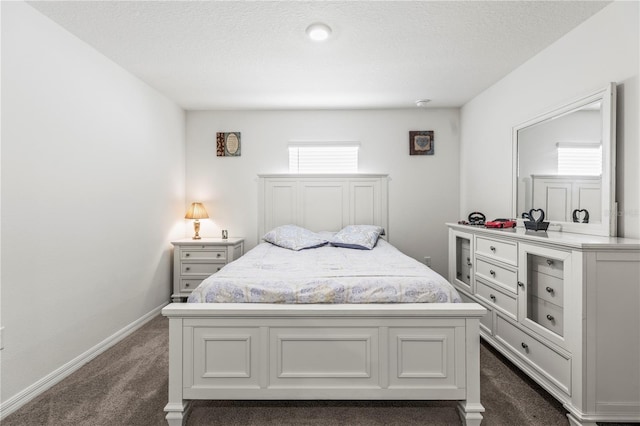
(322, 202)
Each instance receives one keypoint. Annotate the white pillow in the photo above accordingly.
(362, 237)
(294, 237)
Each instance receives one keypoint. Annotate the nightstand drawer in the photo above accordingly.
(554, 365)
(503, 251)
(200, 268)
(191, 254)
(189, 284)
(501, 300)
(501, 276)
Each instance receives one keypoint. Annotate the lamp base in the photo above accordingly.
(196, 229)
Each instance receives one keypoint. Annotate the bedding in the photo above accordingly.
(294, 238)
(362, 237)
(327, 274)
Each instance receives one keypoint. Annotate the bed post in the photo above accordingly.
(471, 409)
(176, 408)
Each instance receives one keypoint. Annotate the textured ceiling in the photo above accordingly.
(255, 55)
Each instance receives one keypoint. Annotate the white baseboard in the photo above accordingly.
(20, 399)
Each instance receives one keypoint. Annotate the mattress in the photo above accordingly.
(271, 274)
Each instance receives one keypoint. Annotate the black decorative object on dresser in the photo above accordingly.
(534, 220)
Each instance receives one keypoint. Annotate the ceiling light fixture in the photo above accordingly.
(422, 102)
(318, 31)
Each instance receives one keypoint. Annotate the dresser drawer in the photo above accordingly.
(497, 274)
(200, 268)
(198, 254)
(499, 299)
(547, 287)
(546, 314)
(546, 265)
(553, 365)
(503, 251)
(486, 322)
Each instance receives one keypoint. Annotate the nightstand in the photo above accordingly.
(195, 260)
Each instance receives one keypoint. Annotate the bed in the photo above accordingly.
(345, 342)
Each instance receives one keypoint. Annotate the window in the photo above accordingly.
(323, 158)
(579, 159)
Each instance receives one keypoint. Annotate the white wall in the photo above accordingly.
(422, 191)
(92, 193)
(602, 49)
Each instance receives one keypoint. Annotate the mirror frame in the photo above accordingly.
(609, 223)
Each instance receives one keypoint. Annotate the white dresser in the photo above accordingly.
(563, 307)
(195, 260)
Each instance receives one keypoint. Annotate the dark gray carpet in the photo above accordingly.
(127, 385)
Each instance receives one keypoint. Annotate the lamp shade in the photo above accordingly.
(196, 211)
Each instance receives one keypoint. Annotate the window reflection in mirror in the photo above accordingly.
(560, 165)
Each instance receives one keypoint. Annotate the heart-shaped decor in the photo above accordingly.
(536, 215)
(581, 216)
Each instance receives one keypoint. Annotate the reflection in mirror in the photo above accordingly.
(559, 159)
(564, 162)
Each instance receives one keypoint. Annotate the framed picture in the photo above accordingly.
(228, 144)
(421, 142)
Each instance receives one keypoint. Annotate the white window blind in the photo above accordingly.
(323, 158)
(579, 159)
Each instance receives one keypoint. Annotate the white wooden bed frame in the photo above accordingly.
(229, 351)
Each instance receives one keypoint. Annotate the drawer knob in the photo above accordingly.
(550, 317)
(549, 290)
(187, 285)
(187, 268)
(492, 297)
(493, 273)
(520, 284)
(219, 268)
(524, 346)
(549, 262)
(492, 248)
(188, 254)
(219, 255)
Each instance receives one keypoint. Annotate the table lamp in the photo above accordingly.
(196, 211)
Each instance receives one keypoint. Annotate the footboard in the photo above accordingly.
(261, 351)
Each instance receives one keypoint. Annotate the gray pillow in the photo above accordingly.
(363, 237)
(294, 237)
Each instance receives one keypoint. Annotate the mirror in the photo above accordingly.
(564, 163)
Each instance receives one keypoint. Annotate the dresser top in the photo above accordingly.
(567, 239)
(203, 240)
